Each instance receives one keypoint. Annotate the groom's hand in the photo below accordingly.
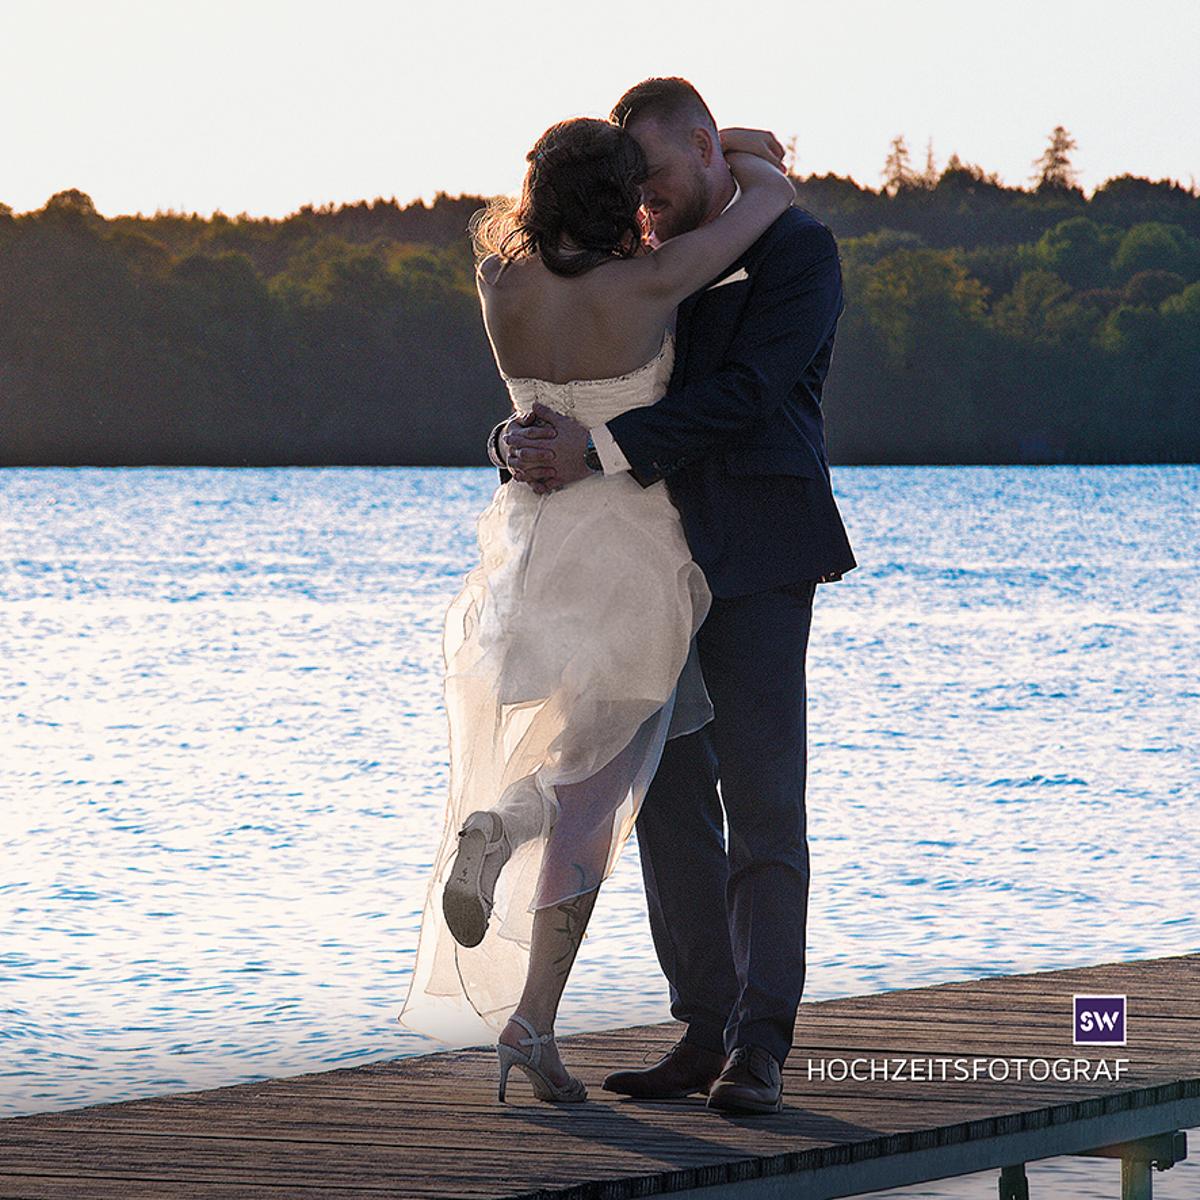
(527, 453)
(570, 440)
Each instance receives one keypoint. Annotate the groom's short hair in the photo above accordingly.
(670, 100)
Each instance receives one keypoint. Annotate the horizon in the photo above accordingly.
(328, 206)
(263, 109)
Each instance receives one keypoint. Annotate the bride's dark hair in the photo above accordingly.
(579, 202)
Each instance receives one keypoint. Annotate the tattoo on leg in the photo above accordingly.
(574, 914)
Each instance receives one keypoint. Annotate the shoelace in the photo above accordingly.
(646, 1055)
(747, 1055)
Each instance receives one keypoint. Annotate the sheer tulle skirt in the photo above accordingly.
(569, 661)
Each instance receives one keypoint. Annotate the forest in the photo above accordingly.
(984, 323)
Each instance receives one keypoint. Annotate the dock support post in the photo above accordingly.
(1135, 1179)
(1161, 1151)
(1013, 1184)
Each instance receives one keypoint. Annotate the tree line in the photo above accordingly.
(984, 324)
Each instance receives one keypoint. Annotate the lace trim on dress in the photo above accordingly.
(609, 379)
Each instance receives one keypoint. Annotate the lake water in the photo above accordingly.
(224, 766)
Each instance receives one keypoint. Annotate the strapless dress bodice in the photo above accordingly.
(594, 401)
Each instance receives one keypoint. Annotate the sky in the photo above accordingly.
(261, 106)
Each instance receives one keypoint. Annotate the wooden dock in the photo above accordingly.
(431, 1126)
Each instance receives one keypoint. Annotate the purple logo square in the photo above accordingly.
(1099, 1020)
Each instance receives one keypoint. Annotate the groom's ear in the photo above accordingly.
(705, 143)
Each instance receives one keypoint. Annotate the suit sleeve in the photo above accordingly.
(505, 474)
(790, 313)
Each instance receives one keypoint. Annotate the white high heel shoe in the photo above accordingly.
(571, 1092)
(483, 848)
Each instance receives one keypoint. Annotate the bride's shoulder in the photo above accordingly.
(499, 274)
(488, 269)
(621, 271)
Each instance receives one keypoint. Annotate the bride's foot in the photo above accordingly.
(521, 1045)
(483, 849)
(550, 1064)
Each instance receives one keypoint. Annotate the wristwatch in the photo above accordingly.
(493, 447)
(591, 459)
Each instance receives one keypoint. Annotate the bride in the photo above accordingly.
(566, 650)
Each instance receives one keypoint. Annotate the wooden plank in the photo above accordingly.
(126, 1186)
(626, 1118)
(103, 1145)
(480, 1099)
(316, 1104)
(647, 1141)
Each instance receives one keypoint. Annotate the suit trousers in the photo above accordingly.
(729, 919)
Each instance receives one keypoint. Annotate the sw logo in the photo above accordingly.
(1099, 1021)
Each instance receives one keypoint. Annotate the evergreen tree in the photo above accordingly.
(1054, 168)
(897, 168)
(929, 176)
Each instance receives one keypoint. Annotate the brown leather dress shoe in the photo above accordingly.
(751, 1083)
(684, 1069)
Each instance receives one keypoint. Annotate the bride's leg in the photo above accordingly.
(557, 933)
(558, 928)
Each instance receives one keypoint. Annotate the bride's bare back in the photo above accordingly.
(548, 326)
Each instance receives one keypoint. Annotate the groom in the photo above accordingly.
(739, 439)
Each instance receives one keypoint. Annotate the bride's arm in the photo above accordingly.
(753, 141)
(681, 265)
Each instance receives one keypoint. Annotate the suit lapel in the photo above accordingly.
(685, 317)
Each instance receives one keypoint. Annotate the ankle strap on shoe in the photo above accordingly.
(537, 1039)
(486, 822)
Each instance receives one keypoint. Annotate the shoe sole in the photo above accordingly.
(461, 907)
(656, 1095)
(618, 1091)
(745, 1107)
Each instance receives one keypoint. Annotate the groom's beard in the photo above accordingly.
(681, 216)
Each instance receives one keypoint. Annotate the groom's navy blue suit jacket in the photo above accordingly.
(739, 435)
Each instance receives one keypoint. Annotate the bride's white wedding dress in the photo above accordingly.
(567, 666)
